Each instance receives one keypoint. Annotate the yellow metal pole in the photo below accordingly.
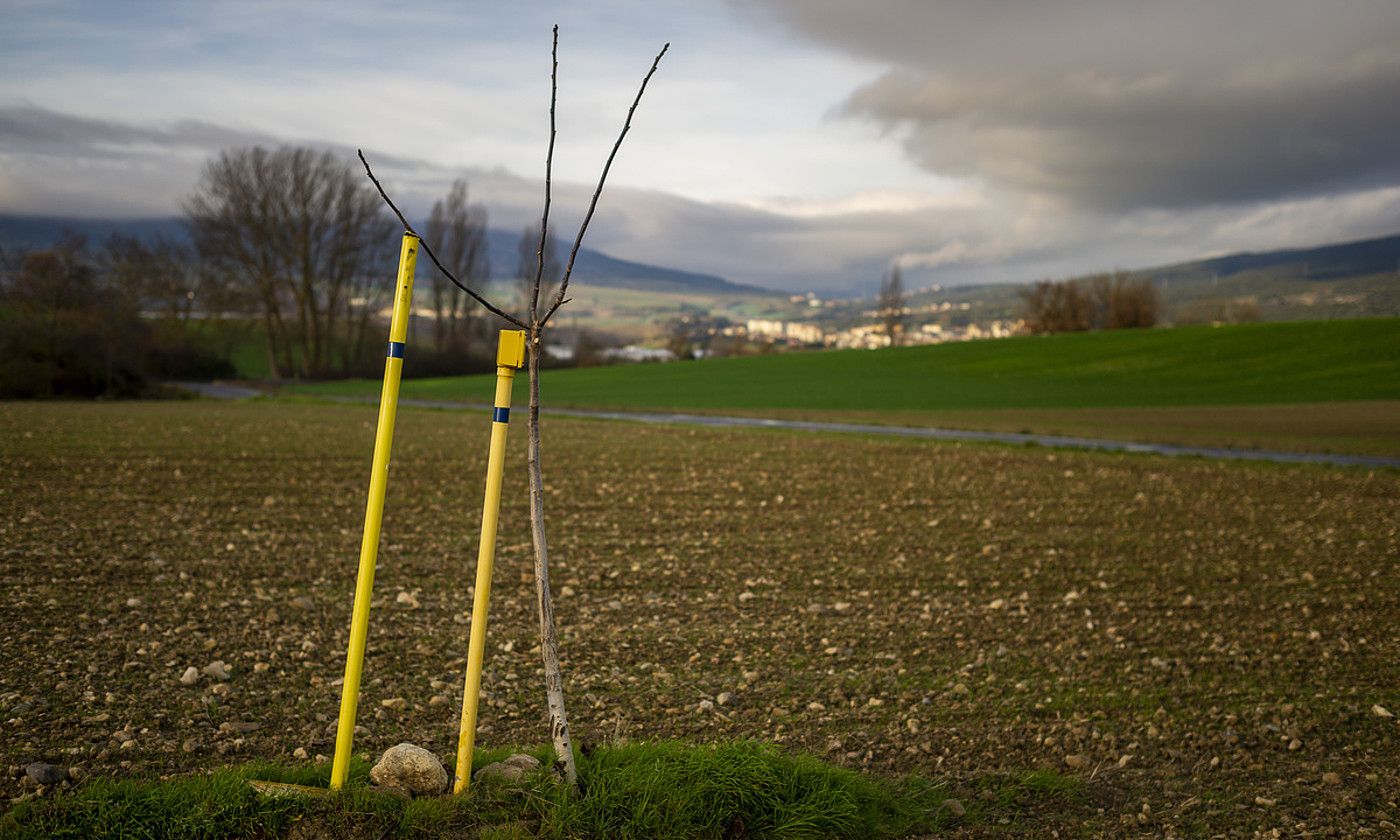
(510, 355)
(374, 511)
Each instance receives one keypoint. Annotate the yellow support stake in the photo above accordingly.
(374, 511)
(510, 355)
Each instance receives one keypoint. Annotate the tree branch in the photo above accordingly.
(427, 249)
(548, 177)
(583, 228)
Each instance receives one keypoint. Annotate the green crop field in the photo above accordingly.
(1251, 385)
(1193, 648)
(1318, 361)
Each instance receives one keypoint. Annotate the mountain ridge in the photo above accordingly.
(1328, 261)
(22, 232)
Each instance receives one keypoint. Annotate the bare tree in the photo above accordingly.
(890, 306)
(1050, 307)
(297, 231)
(459, 229)
(1131, 302)
(535, 321)
(67, 331)
(1101, 302)
(530, 253)
(159, 275)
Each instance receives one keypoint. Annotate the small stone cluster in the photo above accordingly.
(410, 770)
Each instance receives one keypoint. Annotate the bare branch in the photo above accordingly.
(548, 176)
(427, 249)
(583, 228)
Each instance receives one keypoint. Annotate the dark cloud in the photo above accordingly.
(64, 164)
(54, 163)
(1113, 105)
(27, 128)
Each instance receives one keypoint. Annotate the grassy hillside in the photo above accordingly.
(1299, 362)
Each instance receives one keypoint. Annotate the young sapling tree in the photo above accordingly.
(534, 321)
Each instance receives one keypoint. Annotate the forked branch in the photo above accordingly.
(548, 178)
(428, 249)
(597, 193)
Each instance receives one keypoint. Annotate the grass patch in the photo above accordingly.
(1010, 796)
(1242, 364)
(641, 790)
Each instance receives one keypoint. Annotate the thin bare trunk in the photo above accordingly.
(533, 322)
(549, 642)
(271, 348)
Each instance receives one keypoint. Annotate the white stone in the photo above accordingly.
(410, 768)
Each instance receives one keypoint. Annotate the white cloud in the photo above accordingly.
(988, 145)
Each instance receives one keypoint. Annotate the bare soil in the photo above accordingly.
(1200, 644)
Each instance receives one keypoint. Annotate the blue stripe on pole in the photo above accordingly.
(500, 415)
(396, 349)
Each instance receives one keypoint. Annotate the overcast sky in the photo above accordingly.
(798, 144)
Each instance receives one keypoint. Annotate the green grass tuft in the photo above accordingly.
(676, 790)
(639, 790)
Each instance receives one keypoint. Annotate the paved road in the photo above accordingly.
(236, 392)
(219, 390)
(669, 418)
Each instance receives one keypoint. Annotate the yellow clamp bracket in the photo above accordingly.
(374, 511)
(510, 355)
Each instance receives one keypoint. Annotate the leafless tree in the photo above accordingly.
(296, 230)
(529, 254)
(159, 275)
(1050, 307)
(1125, 301)
(66, 330)
(1101, 302)
(534, 322)
(891, 306)
(459, 228)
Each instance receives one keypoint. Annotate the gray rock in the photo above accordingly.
(243, 727)
(190, 677)
(303, 602)
(410, 768)
(217, 669)
(45, 774)
(513, 769)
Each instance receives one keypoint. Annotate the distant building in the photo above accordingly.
(633, 353)
(791, 331)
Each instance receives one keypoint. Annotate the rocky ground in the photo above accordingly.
(1208, 649)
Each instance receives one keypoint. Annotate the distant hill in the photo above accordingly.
(1324, 262)
(600, 269)
(19, 233)
(1341, 280)
(26, 233)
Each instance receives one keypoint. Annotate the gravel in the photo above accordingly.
(1181, 668)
